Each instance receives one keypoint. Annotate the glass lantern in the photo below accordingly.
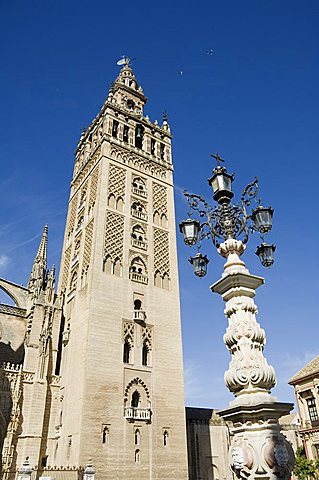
(190, 229)
(262, 218)
(221, 183)
(199, 263)
(265, 253)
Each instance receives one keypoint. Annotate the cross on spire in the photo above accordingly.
(218, 158)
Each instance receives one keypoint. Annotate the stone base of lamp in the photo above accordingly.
(258, 449)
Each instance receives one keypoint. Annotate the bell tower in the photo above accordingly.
(122, 393)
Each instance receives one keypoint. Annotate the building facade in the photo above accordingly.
(95, 371)
(306, 386)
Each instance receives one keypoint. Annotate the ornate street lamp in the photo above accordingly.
(190, 229)
(266, 254)
(258, 449)
(262, 218)
(199, 263)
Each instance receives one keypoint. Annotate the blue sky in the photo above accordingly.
(255, 101)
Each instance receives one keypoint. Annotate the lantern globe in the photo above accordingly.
(199, 263)
(221, 183)
(262, 218)
(190, 229)
(265, 253)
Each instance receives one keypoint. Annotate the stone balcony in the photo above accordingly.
(140, 215)
(139, 192)
(138, 277)
(133, 413)
(138, 315)
(139, 244)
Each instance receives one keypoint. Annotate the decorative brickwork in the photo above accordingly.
(128, 333)
(117, 178)
(159, 199)
(114, 234)
(161, 252)
(142, 164)
(66, 266)
(93, 186)
(147, 336)
(88, 244)
(73, 211)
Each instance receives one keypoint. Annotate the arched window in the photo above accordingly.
(115, 128)
(105, 435)
(126, 351)
(107, 264)
(125, 133)
(137, 456)
(138, 186)
(139, 132)
(145, 354)
(73, 281)
(135, 399)
(137, 304)
(138, 211)
(157, 280)
(119, 204)
(117, 267)
(165, 282)
(165, 438)
(163, 220)
(137, 437)
(138, 233)
(137, 270)
(156, 218)
(111, 201)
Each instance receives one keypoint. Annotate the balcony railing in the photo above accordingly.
(138, 277)
(139, 244)
(140, 215)
(139, 315)
(133, 413)
(139, 192)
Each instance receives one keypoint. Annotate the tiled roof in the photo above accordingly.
(310, 369)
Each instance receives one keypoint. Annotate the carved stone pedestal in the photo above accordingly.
(258, 450)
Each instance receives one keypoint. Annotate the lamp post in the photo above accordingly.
(258, 449)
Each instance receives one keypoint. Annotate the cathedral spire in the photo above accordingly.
(39, 267)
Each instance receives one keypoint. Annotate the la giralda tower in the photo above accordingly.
(122, 393)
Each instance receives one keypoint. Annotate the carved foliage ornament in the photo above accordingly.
(245, 340)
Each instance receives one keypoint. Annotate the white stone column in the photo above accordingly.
(258, 450)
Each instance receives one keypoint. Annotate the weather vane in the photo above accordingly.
(218, 158)
(125, 61)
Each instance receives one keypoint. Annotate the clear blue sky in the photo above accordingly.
(255, 101)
